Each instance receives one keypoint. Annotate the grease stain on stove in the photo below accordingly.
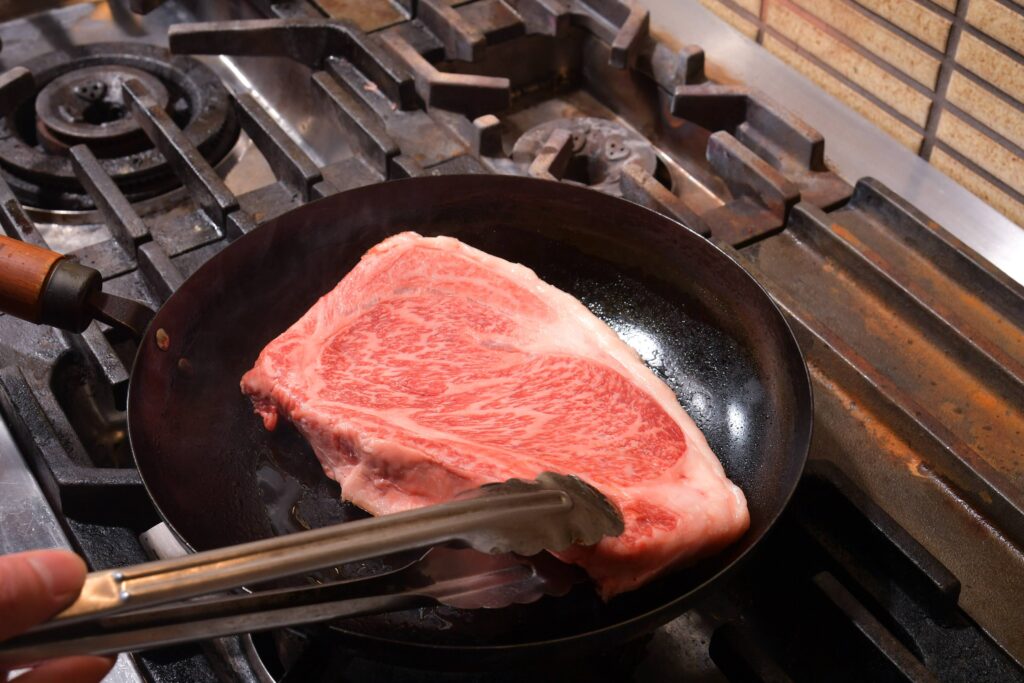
(883, 440)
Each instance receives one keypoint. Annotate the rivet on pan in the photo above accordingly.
(123, 596)
(163, 342)
(118, 576)
(185, 366)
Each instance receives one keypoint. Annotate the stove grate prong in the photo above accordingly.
(308, 41)
(461, 39)
(468, 94)
(291, 165)
(15, 85)
(196, 173)
(125, 225)
(14, 220)
(372, 139)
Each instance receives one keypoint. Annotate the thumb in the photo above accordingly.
(36, 585)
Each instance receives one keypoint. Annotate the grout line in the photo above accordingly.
(762, 20)
(744, 12)
(859, 89)
(937, 9)
(989, 88)
(984, 128)
(1005, 50)
(859, 49)
(986, 175)
(902, 33)
(946, 69)
(1011, 5)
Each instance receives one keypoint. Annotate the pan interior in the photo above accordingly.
(691, 314)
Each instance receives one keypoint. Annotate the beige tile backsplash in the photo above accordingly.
(850, 63)
(993, 65)
(752, 6)
(982, 150)
(863, 31)
(907, 136)
(944, 78)
(999, 21)
(988, 108)
(914, 18)
(1001, 201)
(739, 22)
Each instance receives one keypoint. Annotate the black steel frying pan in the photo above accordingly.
(695, 316)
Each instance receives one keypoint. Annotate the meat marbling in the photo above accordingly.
(433, 368)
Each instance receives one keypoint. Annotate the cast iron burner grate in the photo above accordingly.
(841, 591)
(79, 100)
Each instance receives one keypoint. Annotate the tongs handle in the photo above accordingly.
(459, 578)
(115, 609)
(205, 619)
(486, 523)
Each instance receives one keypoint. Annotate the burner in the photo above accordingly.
(86, 106)
(600, 148)
(79, 100)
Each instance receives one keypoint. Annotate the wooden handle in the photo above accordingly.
(24, 270)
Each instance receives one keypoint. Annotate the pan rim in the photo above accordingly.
(800, 387)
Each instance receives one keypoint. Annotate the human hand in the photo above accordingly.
(34, 586)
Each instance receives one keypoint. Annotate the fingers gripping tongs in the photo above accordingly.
(153, 604)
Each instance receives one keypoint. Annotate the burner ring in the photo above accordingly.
(600, 148)
(87, 106)
(197, 101)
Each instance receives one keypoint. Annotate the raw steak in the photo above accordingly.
(433, 368)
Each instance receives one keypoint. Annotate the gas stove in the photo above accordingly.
(142, 144)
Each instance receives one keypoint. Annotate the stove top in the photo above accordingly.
(143, 144)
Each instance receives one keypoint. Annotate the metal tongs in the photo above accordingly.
(151, 604)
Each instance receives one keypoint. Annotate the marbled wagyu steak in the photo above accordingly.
(433, 368)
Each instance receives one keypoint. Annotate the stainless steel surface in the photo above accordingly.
(29, 523)
(517, 516)
(550, 513)
(855, 147)
(460, 578)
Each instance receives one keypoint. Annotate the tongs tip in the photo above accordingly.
(588, 517)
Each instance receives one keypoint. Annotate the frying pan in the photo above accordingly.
(695, 317)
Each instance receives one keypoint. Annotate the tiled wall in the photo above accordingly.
(944, 77)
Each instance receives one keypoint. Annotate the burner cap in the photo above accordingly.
(600, 148)
(79, 100)
(86, 106)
